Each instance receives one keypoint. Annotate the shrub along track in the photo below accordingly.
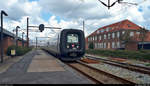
(98, 76)
(136, 68)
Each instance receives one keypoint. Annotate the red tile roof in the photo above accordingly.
(120, 25)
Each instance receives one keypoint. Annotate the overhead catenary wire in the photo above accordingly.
(120, 2)
(131, 3)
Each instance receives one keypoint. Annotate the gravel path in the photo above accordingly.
(121, 72)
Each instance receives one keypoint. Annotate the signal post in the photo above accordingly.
(41, 28)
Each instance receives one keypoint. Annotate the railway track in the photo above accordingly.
(131, 67)
(98, 76)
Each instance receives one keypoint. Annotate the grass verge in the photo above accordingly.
(138, 55)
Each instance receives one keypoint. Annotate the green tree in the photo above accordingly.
(126, 38)
(91, 45)
(142, 35)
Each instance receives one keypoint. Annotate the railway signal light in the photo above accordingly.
(41, 27)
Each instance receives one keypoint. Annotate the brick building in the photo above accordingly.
(109, 37)
(9, 40)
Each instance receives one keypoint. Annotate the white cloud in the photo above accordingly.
(72, 13)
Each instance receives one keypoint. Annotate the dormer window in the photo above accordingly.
(102, 30)
(110, 28)
(97, 31)
(129, 25)
(107, 29)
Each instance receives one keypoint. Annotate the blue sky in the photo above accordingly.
(46, 15)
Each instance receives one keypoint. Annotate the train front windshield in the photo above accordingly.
(72, 38)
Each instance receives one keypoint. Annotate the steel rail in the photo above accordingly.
(108, 75)
(88, 76)
(131, 67)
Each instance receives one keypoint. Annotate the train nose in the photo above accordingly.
(73, 54)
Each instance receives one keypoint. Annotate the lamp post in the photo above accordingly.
(27, 32)
(36, 41)
(17, 35)
(83, 25)
(22, 39)
(5, 14)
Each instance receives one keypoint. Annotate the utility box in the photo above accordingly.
(13, 52)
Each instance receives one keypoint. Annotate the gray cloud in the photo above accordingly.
(73, 12)
(73, 9)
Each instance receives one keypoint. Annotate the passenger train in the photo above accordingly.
(67, 45)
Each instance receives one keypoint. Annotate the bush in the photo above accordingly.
(9, 50)
(91, 45)
(141, 55)
(19, 50)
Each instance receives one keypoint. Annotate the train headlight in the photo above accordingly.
(77, 46)
(67, 46)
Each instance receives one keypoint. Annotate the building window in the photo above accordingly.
(113, 44)
(108, 36)
(104, 36)
(101, 45)
(118, 34)
(108, 45)
(110, 28)
(95, 45)
(104, 45)
(118, 44)
(100, 37)
(113, 35)
(131, 33)
(95, 37)
(138, 33)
